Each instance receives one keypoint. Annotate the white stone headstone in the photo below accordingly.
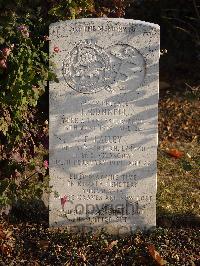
(103, 124)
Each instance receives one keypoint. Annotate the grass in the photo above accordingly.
(179, 181)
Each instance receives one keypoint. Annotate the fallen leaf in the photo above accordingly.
(138, 240)
(156, 256)
(112, 244)
(175, 153)
(43, 244)
(5, 249)
(8, 234)
(82, 255)
(2, 234)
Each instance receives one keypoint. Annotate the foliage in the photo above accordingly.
(24, 77)
(24, 72)
(72, 9)
(88, 8)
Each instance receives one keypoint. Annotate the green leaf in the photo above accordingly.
(24, 101)
(3, 185)
(3, 125)
(186, 165)
(2, 40)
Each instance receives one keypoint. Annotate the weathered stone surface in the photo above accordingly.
(103, 124)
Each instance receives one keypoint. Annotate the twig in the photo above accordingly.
(196, 9)
(23, 182)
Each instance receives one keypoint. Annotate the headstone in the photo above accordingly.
(103, 124)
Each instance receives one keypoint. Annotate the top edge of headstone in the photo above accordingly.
(121, 20)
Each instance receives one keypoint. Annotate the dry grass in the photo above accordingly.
(179, 179)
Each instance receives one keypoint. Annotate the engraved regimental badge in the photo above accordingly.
(89, 68)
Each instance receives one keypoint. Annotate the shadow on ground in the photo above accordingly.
(32, 211)
(178, 220)
(35, 211)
